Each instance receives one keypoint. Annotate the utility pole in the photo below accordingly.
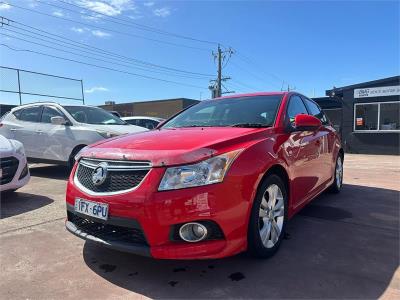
(216, 85)
(219, 80)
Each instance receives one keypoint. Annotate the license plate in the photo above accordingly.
(90, 208)
(1, 173)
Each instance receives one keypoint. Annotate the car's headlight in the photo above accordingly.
(209, 171)
(107, 134)
(19, 148)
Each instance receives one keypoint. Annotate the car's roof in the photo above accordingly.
(47, 103)
(252, 95)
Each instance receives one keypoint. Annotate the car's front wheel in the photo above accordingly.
(268, 218)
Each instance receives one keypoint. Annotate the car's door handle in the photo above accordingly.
(13, 129)
(39, 131)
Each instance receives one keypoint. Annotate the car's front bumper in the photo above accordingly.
(226, 204)
(18, 178)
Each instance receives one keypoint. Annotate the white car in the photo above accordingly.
(147, 122)
(52, 133)
(14, 171)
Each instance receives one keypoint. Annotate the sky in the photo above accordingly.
(146, 50)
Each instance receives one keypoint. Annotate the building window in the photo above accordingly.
(389, 116)
(377, 116)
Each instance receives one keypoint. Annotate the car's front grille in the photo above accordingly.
(121, 176)
(9, 166)
(108, 232)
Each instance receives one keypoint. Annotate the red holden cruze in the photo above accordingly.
(219, 178)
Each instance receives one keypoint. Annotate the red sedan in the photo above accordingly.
(219, 178)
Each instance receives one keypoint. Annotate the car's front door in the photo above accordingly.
(54, 141)
(302, 150)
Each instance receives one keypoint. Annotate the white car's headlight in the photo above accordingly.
(210, 171)
(107, 134)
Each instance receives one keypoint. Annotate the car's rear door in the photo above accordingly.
(24, 127)
(302, 148)
(326, 136)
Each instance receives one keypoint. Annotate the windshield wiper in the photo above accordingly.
(250, 125)
(193, 126)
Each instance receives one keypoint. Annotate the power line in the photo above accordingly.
(254, 64)
(98, 66)
(105, 29)
(129, 23)
(245, 85)
(95, 49)
(253, 74)
(91, 57)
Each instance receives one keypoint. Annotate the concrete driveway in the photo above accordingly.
(340, 246)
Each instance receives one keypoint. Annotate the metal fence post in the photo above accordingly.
(83, 94)
(19, 89)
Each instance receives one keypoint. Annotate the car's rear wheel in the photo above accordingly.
(338, 182)
(268, 218)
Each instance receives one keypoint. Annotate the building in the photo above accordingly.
(368, 115)
(156, 108)
(5, 108)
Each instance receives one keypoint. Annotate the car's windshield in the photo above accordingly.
(93, 115)
(255, 111)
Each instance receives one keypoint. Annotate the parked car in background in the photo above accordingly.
(219, 178)
(147, 122)
(115, 113)
(14, 171)
(53, 133)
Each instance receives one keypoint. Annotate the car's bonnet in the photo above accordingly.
(175, 146)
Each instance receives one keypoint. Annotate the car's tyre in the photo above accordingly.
(268, 218)
(338, 176)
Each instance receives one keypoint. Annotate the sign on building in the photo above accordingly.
(377, 92)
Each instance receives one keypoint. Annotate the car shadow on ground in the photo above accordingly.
(49, 171)
(340, 246)
(16, 203)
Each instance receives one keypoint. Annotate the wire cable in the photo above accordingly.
(127, 22)
(105, 29)
(91, 57)
(85, 46)
(100, 67)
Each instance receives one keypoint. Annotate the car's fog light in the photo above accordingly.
(193, 232)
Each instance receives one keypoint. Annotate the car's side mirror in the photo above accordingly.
(58, 120)
(304, 122)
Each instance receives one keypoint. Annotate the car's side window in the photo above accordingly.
(31, 114)
(49, 112)
(17, 113)
(315, 111)
(295, 107)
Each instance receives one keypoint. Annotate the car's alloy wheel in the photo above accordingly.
(338, 175)
(339, 172)
(271, 215)
(268, 217)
